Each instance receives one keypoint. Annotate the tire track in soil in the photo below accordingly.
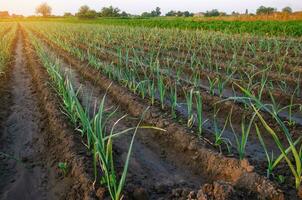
(31, 176)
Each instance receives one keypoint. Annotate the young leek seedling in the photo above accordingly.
(241, 141)
(189, 100)
(162, 90)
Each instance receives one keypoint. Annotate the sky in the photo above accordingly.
(27, 7)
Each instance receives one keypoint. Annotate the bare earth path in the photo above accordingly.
(24, 170)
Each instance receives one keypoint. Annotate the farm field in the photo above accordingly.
(285, 28)
(143, 112)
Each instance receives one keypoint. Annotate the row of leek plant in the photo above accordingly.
(216, 85)
(99, 137)
(129, 79)
(219, 82)
(5, 46)
(156, 86)
(99, 35)
(193, 58)
(150, 87)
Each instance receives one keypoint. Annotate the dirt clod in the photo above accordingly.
(100, 193)
(217, 191)
(246, 165)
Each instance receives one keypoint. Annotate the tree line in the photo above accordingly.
(86, 12)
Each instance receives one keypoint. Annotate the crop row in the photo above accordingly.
(7, 35)
(188, 42)
(213, 82)
(156, 87)
(99, 136)
(284, 81)
(272, 28)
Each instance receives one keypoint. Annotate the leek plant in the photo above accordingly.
(276, 108)
(291, 122)
(141, 87)
(151, 91)
(212, 83)
(241, 141)
(162, 90)
(272, 163)
(262, 85)
(294, 165)
(173, 97)
(218, 133)
(221, 84)
(189, 103)
(199, 108)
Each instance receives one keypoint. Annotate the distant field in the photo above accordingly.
(268, 28)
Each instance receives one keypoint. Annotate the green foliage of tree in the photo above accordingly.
(262, 10)
(67, 14)
(179, 13)
(212, 13)
(146, 14)
(86, 12)
(287, 9)
(124, 14)
(110, 12)
(44, 9)
(153, 13)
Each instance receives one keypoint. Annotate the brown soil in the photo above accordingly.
(176, 145)
(32, 143)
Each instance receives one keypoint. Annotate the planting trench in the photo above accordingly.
(175, 152)
(30, 148)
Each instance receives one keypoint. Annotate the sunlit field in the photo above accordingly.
(151, 108)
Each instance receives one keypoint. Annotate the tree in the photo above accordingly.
(110, 12)
(86, 12)
(188, 14)
(83, 9)
(44, 9)
(265, 10)
(287, 9)
(156, 12)
(67, 14)
(171, 13)
(124, 14)
(179, 13)
(212, 13)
